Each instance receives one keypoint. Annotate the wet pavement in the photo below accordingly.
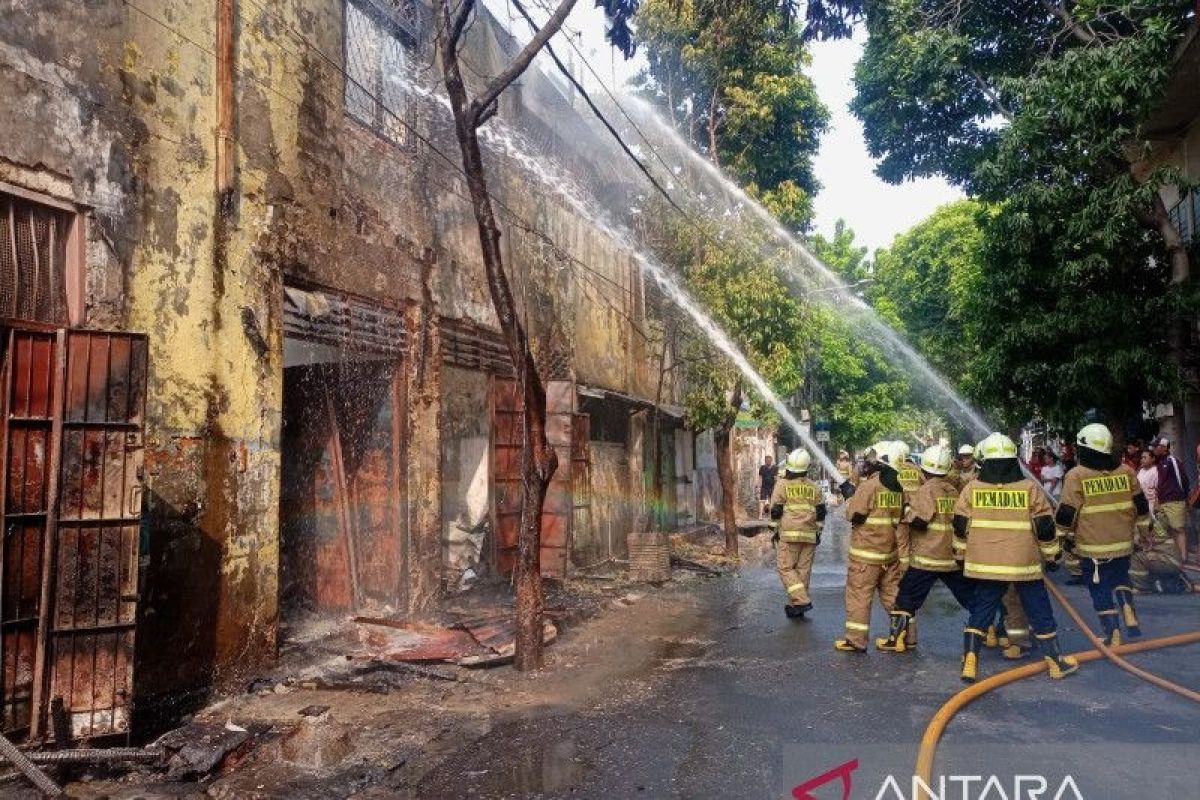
(746, 703)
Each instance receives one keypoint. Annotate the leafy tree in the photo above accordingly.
(1034, 105)
(731, 77)
(735, 276)
(841, 254)
(927, 279)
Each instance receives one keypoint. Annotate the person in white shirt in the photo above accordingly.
(1052, 474)
(1147, 476)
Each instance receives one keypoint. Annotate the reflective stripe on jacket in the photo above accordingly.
(1001, 543)
(1103, 500)
(933, 548)
(874, 541)
(800, 498)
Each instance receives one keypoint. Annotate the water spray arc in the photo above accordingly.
(819, 281)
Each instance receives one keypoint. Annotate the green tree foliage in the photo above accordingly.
(926, 281)
(731, 77)
(1034, 105)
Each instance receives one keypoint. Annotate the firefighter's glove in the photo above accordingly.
(1068, 544)
(847, 489)
(1052, 565)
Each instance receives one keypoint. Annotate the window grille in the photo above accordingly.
(377, 34)
(33, 260)
(1185, 216)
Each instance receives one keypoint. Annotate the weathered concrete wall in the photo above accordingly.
(113, 109)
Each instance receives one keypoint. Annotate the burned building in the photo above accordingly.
(251, 368)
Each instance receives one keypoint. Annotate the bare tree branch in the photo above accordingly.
(521, 62)
(1079, 31)
(459, 24)
(992, 95)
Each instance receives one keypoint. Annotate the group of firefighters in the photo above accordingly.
(982, 528)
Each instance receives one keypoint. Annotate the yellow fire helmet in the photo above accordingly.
(797, 460)
(997, 446)
(936, 460)
(1095, 437)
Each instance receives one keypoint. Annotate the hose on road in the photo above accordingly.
(937, 725)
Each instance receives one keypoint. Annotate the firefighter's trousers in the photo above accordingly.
(1012, 617)
(863, 582)
(1034, 599)
(1103, 578)
(1161, 563)
(794, 561)
(917, 583)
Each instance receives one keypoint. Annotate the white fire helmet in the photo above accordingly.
(997, 446)
(1095, 437)
(798, 460)
(936, 459)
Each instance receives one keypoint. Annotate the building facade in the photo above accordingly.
(252, 372)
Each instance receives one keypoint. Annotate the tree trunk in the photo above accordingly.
(723, 445)
(538, 459)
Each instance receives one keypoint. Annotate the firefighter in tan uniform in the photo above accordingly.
(965, 467)
(1155, 565)
(873, 565)
(1009, 527)
(931, 536)
(1101, 503)
(797, 514)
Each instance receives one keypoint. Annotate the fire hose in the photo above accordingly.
(937, 725)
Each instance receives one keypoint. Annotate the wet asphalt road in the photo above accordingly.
(752, 704)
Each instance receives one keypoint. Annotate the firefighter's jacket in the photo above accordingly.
(911, 478)
(929, 520)
(803, 509)
(873, 539)
(1100, 507)
(1008, 527)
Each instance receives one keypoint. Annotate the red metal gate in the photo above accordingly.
(507, 444)
(73, 428)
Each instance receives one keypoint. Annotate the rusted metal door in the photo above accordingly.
(506, 470)
(507, 445)
(73, 447)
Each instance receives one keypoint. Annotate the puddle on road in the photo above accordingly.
(676, 649)
(544, 768)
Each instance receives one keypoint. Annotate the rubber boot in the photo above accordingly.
(846, 646)
(792, 611)
(992, 639)
(1111, 625)
(896, 638)
(1128, 612)
(972, 643)
(1013, 651)
(1058, 665)
(910, 638)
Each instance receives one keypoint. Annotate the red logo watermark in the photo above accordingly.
(801, 792)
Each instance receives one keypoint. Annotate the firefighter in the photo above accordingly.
(931, 542)
(910, 476)
(797, 514)
(965, 467)
(873, 565)
(1008, 526)
(1155, 565)
(1101, 503)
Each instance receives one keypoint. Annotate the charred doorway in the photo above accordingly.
(343, 521)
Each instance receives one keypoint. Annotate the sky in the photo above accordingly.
(876, 211)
